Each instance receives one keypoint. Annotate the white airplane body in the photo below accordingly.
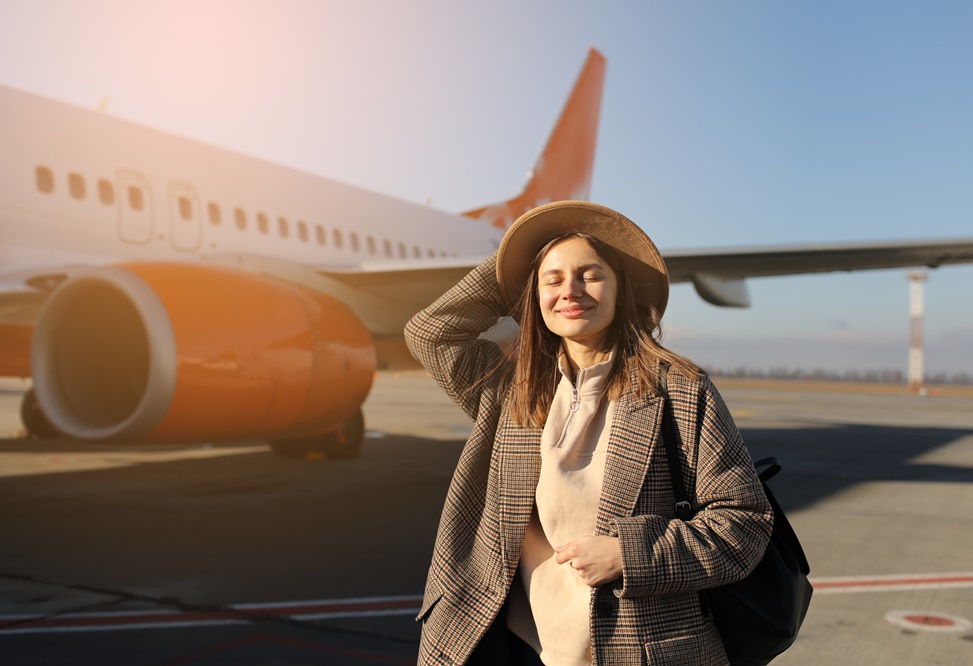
(156, 288)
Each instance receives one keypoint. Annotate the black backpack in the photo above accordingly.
(757, 617)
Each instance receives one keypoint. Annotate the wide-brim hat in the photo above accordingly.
(536, 227)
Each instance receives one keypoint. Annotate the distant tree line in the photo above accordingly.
(884, 376)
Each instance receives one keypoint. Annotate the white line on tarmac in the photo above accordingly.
(235, 614)
(117, 627)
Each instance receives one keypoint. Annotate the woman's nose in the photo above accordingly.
(572, 288)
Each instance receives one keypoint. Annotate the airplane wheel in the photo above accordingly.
(341, 444)
(346, 442)
(34, 420)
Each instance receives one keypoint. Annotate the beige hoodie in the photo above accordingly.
(549, 608)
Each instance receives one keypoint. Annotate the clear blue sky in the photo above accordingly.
(723, 123)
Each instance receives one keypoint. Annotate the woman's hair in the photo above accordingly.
(634, 334)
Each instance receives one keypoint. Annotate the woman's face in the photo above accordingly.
(577, 291)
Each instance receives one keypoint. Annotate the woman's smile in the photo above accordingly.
(572, 311)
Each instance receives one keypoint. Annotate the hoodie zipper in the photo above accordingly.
(573, 408)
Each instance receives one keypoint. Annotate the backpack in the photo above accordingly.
(757, 617)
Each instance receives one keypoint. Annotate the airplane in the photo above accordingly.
(157, 289)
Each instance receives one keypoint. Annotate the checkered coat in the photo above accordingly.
(652, 614)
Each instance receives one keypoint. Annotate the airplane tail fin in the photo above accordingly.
(563, 170)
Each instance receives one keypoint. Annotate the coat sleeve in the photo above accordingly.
(729, 532)
(446, 337)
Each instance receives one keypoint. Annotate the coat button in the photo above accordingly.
(605, 609)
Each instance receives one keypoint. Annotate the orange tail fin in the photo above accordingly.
(563, 170)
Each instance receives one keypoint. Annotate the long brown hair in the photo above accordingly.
(634, 334)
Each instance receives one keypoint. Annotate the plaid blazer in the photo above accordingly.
(652, 614)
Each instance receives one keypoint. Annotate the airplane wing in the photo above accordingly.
(792, 260)
(718, 274)
(385, 295)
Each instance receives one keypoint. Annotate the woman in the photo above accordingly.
(558, 537)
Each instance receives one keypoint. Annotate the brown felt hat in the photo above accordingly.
(536, 227)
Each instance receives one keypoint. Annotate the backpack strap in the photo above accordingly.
(672, 442)
(773, 466)
(767, 468)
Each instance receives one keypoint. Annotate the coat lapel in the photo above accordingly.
(634, 435)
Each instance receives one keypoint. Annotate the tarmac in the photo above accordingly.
(221, 554)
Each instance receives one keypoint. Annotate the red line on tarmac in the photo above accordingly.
(884, 583)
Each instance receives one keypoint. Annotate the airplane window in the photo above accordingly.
(354, 241)
(135, 198)
(262, 223)
(241, 218)
(45, 179)
(76, 185)
(302, 230)
(402, 253)
(416, 252)
(106, 192)
(370, 242)
(282, 226)
(338, 240)
(320, 235)
(185, 208)
(214, 213)
(387, 244)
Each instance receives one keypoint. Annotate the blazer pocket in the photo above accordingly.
(696, 649)
(431, 596)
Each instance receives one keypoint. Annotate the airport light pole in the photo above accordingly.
(916, 281)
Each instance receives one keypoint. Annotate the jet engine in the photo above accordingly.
(188, 352)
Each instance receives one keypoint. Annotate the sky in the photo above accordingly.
(723, 124)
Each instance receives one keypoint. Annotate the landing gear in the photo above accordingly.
(34, 420)
(346, 442)
(341, 444)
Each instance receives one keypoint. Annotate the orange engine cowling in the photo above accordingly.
(187, 352)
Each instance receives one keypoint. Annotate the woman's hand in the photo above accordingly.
(597, 559)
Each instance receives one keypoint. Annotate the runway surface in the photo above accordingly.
(226, 554)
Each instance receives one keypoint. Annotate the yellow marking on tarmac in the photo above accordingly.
(744, 413)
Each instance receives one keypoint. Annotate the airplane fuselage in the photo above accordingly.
(79, 188)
